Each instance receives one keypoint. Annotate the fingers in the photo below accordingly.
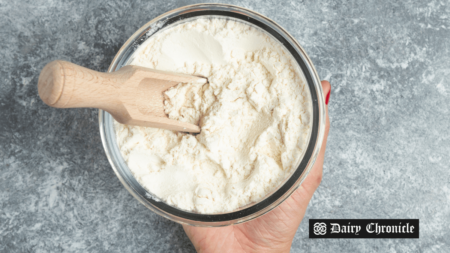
(312, 181)
(327, 92)
(318, 167)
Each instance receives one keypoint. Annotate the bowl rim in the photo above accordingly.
(282, 192)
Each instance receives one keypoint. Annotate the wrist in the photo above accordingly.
(283, 247)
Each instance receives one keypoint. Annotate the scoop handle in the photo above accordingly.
(66, 85)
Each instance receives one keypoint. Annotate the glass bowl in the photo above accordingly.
(285, 189)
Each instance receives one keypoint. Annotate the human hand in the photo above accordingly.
(274, 231)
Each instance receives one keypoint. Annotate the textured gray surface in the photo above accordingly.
(388, 150)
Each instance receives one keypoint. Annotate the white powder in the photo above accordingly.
(254, 116)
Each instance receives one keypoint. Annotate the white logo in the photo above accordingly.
(320, 228)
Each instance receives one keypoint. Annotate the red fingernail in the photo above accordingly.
(328, 97)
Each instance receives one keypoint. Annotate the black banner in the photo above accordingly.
(358, 228)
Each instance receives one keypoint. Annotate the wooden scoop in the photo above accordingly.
(132, 95)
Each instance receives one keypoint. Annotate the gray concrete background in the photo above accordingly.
(388, 152)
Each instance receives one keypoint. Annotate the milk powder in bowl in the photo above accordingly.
(256, 114)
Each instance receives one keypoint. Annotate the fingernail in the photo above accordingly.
(328, 97)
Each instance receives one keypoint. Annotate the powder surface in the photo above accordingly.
(254, 115)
